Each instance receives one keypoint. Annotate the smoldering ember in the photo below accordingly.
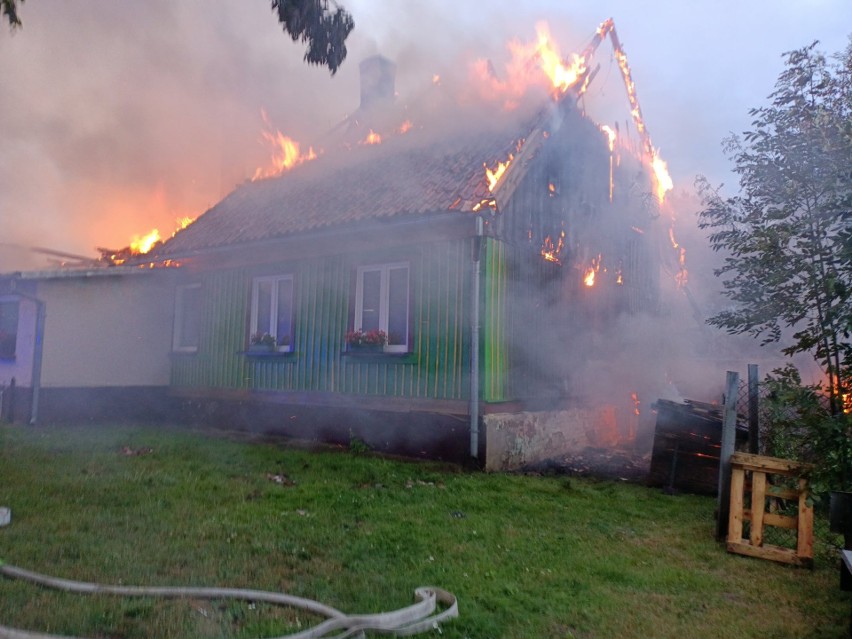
(430, 278)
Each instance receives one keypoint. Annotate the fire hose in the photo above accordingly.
(414, 619)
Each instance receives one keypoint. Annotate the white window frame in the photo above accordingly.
(273, 306)
(178, 345)
(384, 300)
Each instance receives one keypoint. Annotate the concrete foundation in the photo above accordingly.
(515, 440)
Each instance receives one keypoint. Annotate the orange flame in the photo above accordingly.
(286, 152)
(551, 251)
(562, 76)
(610, 135)
(372, 138)
(493, 176)
(405, 127)
(662, 179)
(559, 73)
(635, 399)
(682, 276)
(672, 238)
(142, 245)
(551, 189)
(489, 202)
(592, 271)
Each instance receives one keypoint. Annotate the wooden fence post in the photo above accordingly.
(729, 435)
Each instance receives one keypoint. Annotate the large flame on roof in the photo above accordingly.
(286, 152)
(141, 245)
(557, 72)
(562, 75)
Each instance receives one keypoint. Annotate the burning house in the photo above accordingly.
(428, 289)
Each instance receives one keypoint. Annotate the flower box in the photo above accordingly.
(365, 348)
(261, 348)
(360, 341)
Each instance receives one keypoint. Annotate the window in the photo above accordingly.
(8, 328)
(187, 318)
(272, 309)
(381, 303)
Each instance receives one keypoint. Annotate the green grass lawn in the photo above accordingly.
(526, 556)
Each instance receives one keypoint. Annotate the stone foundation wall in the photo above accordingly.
(515, 440)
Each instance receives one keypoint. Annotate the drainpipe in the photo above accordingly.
(474, 342)
(38, 350)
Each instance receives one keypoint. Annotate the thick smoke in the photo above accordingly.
(120, 117)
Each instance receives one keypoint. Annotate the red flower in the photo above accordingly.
(366, 338)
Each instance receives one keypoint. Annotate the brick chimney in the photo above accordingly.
(378, 76)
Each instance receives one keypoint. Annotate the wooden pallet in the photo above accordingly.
(757, 467)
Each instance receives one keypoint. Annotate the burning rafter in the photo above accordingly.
(610, 135)
(493, 176)
(574, 75)
(663, 181)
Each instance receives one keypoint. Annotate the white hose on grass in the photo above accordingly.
(414, 619)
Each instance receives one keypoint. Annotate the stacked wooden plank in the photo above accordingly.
(687, 441)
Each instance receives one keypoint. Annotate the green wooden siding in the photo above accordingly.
(217, 363)
(436, 368)
(494, 322)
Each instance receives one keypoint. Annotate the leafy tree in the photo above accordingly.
(9, 8)
(797, 424)
(310, 21)
(324, 31)
(787, 235)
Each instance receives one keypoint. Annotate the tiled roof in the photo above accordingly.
(406, 175)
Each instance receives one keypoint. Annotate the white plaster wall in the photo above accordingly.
(107, 331)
